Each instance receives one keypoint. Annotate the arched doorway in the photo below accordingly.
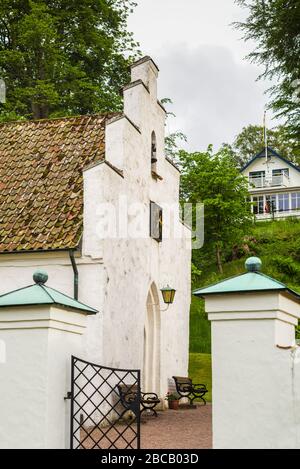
(151, 362)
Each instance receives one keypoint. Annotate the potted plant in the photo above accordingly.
(173, 400)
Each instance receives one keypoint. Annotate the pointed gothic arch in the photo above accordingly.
(153, 152)
(152, 342)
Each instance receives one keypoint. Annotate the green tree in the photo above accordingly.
(274, 25)
(214, 180)
(172, 139)
(172, 144)
(64, 57)
(250, 141)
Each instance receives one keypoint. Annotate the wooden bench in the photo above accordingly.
(186, 388)
(128, 397)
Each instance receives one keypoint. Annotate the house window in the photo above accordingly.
(153, 152)
(270, 205)
(279, 176)
(295, 201)
(156, 221)
(258, 204)
(279, 172)
(257, 178)
(283, 202)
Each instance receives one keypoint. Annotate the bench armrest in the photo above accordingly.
(184, 387)
(147, 396)
(129, 397)
(199, 386)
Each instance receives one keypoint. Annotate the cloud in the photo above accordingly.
(214, 95)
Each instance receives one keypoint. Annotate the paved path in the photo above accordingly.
(178, 429)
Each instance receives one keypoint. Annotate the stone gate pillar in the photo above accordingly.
(40, 328)
(255, 377)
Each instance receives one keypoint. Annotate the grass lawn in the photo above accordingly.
(277, 243)
(200, 370)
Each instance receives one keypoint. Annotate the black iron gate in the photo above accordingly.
(105, 407)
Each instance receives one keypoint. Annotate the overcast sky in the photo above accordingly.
(202, 67)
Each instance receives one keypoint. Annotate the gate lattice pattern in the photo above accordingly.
(98, 418)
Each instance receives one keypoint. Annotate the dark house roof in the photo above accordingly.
(41, 181)
(271, 152)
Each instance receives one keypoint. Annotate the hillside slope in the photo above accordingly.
(277, 243)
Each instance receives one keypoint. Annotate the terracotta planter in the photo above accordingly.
(174, 405)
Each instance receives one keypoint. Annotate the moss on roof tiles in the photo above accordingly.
(41, 181)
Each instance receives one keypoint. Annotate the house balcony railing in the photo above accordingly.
(257, 182)
(275, 214)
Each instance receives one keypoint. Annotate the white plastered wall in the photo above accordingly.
(132, 263)
(255, 370)
(35, 374)
(115, 274)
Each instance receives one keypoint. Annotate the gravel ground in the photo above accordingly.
(178, 429)
(172, 429)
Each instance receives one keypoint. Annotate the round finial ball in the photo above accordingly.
(253, 264)
(40, 276)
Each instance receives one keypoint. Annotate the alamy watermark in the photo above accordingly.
(134, 220)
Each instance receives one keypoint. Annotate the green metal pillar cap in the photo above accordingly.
(40, 294)
(250, 281)
(253, 264)
(40, 276)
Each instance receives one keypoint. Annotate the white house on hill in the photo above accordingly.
(274, 185)
(94, 201)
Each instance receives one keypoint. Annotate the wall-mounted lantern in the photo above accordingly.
(168, 294)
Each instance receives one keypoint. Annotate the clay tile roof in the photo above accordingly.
(41, 181)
